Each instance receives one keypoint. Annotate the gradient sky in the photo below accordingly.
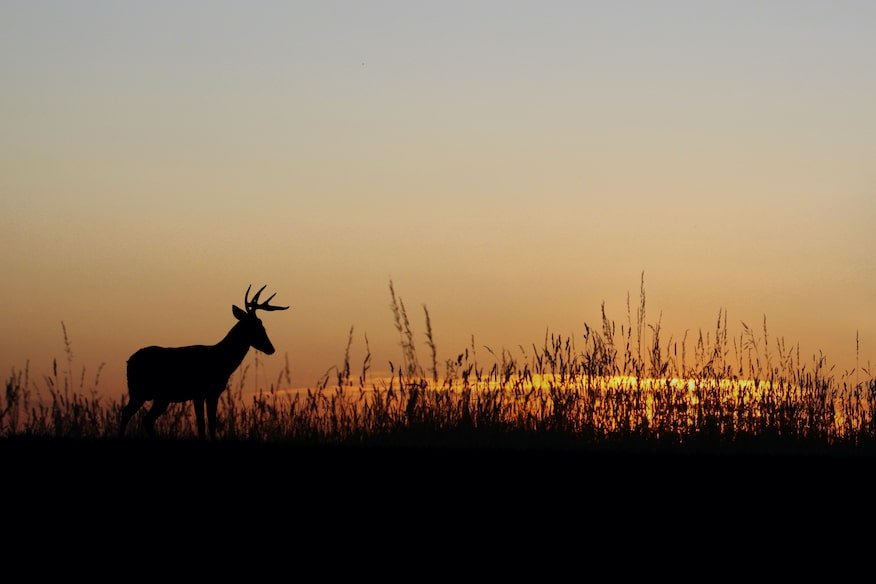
(509, 164)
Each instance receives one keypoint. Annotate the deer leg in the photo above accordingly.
(129, 410)
(212, 402)
(199, 415)
(158, 408)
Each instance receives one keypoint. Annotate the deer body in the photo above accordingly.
(182, 373)
(197, 373)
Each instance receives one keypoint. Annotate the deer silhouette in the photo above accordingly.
(198, 373)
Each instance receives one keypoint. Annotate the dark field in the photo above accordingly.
(482, 487)
(616, 417)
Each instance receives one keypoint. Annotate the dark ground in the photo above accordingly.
(134, 498)
(163, 467)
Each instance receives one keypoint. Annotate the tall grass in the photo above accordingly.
(624, 385)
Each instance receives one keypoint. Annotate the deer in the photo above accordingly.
(197, 373)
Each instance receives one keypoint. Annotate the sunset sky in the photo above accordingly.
(509, 164)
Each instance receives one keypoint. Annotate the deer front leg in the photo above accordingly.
(212, 402)
(199, 416)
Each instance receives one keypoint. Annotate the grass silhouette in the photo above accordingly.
(616, 388)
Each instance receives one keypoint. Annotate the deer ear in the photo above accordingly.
(238, 313)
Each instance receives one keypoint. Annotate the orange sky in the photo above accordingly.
(509, 165)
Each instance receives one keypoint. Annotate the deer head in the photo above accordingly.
(251, 324)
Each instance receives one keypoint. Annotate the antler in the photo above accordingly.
(253, 305)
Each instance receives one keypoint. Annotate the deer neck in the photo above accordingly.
(233, 347)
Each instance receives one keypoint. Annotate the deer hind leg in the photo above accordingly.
(158, 408)
(199, 416)
(127, 412)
